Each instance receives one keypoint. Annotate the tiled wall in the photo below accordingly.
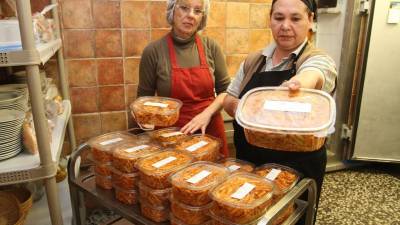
(103, 41)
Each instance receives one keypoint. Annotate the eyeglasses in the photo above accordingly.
(187, 10)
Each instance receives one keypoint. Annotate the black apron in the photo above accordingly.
(310, 164)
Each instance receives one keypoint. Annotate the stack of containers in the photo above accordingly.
(190, 199)
(202, 147)
(284, 179)
(124, 174)
(168, 137)
(102, 148)
(236, 165)
(154, 186)
(242, 198)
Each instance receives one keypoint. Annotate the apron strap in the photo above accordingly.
(200, 49)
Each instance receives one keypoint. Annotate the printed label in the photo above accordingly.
(198, 177)
(164, 162)
(196, 146)
(136, 148)
(287, 106)
(273, 174)
(157, 104)
(166, 135)
(111, 141)
(243, 191)
(233, 167)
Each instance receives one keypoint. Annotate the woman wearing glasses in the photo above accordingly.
(189, 67)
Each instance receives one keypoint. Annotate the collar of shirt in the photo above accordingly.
(269, 50)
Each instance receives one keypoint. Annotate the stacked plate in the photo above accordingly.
(10, 132)
(13, 98)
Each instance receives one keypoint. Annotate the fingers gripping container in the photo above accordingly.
(155, 169)
(168, 136)
(237, 165)
(126, 155)
(274, 118)
(154, 213)
(202, 147)
(191, 215)
(192, 184)
(156, 197)
(242, 198)
(104, 145)
(150, 111)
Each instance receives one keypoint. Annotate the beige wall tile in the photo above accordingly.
(135, 41)
(108, 43)
(110, 71)
(86, 126)
(237, 15)
(158, 33)
(259, 16)
(158, 14)
(217, 15)
(79, 43)
(136, 14)
(81, 72)
(237, 41)
(84, 100)
(216, 34)
(130, 93)
(107, 14)
(111, 98)
(261, 1)
(77, 17)
(131, 70)
(113, 121)
(259, 39)
(233, 63)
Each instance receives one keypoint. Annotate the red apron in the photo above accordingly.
(194, 86)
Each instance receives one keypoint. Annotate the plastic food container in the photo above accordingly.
(237, 165)
(155, 169)
(103, 181)
(104, 145)
(192, 184)
(124, 180)
(154, 197)
(150, 111)
(168, 136)
(274, 118)
(176, 221)
(189, 214)
(202, 147)
(103, 169)
(242, 198)
(154, 213)
(129, 197)
(126, 155)
(284, 178)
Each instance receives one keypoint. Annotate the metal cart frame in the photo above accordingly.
(81, 180)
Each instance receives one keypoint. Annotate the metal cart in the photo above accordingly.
(81, 180)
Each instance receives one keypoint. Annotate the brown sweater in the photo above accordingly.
(155, 67)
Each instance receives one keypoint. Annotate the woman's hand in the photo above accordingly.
(200, 121)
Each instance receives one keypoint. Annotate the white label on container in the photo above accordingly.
(198, 177)
(233, 167)
(164, 162)
(157, 104)
(287, 106)
(196, 146)
(111, 141)
(243, 191)
(171, 134)
(273, 174)
(136, 148)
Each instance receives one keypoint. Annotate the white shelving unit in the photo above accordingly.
(25, 167)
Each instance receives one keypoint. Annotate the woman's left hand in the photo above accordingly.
(200, 121)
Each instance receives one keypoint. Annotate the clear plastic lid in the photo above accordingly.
(164, 162)
(199, 176)
(135, 150)
(277, 109)
(107, 142)
(243, 191)
(168, 136)
(236, 165)
(202, 147)
(176, 221)
(284, 178)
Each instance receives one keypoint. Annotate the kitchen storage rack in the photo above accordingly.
(81, 180)
(25, 167)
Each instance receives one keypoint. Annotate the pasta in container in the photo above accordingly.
(154, 197)
(154, 213)
(150, 111)
(129, 197)
(126, 155)
(242, 198)
(176, 221)
(104, 145)
(168, 136)
(124, 180)
(190, 215)
(155, 169)
(103, 181)
(274, 118)
(103, 169)
(202, 147)
(236, 165)
(192, 184)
